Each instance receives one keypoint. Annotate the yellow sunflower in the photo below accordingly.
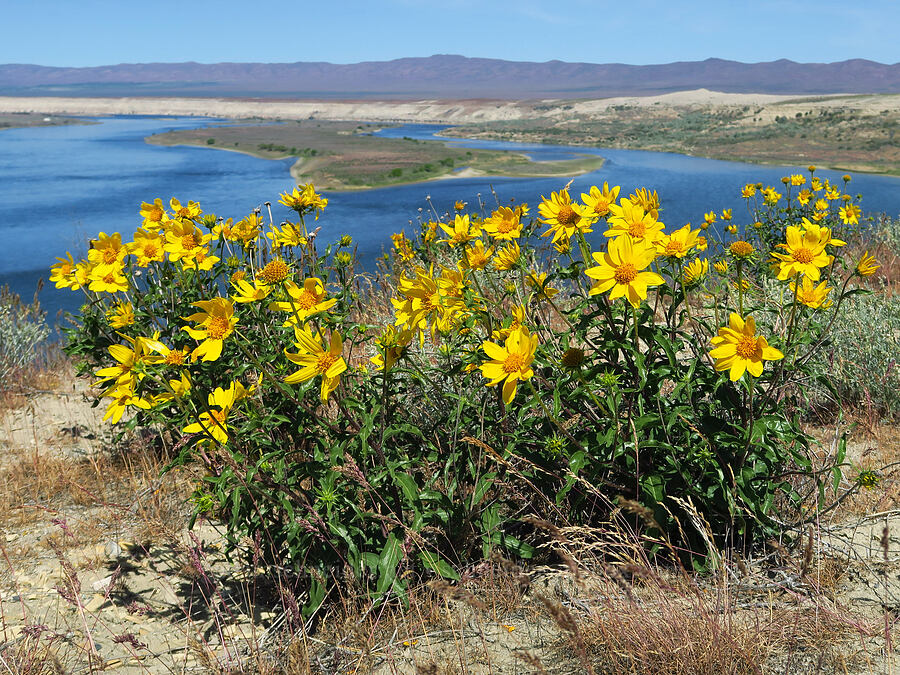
(315, 360)
(620, 270)
(738, 349)
(564, 216)
(216, 322)
(511, 362)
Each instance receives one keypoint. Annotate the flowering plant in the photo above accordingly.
(496, 366)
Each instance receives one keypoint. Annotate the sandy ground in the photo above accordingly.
(458, 112)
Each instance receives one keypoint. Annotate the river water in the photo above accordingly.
(59, 186)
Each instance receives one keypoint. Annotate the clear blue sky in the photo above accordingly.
(103, 32)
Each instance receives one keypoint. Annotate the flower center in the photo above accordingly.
(110, 255)
(803, 255)
(307, 300)
(748, 347)
(65, 269)
(602, 206)
(175, 358)
(625, 273)
(187, 242)
(217, 327)
(505, 226)
(218, 418)
(109, 278)
(741, 249)
(566, 215)
(150, 251)
(274, 271)
(674, 248)
(326, 360)
(513, 363)
(637, 229)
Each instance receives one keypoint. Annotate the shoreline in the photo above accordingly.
(342, 167)
(839, 132)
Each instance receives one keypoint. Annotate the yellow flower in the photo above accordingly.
(147, 247)
(189, 211)
(304, 201)
(107, 250)
(721, 266)
(821, 205)
(177, 389)
(247, 230)
(402, 246)
(815, 184)
(867, 265)
(107, 279)
(463, 230)
(121, 315)
(619, 270)
(290, 234)
(805, 254)
(710, 217)
(726, 214)
(122, 397)
(771, 196)
(459, 206)
(511, 362)
(216, 322)
(628, 218)
(695, 272)
(304, 302)
(275, 271)
(315, 360)
(507, 257)
(599, 200)
(62, 274)
(154, 215)
(678, 244)
(748, 191)
(538, 283)
(738, 349)
(649, 201)
(391, 346)
(564, 217)
(167, 355)
(832, 194)
(213, 424)
(812, 296)
(201, 260)
(184, 240)
(804, 196)
(741, 250)
(130, 362)
(247, 292)
(798, 179)
(475, 257)
(504, 224)
(823, 234)
(850, 214)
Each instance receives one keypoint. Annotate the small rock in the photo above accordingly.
(102, 585)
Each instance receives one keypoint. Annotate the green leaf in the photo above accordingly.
(387, 564)
(438, 565)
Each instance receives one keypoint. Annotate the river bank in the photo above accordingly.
(844, 132)
(341, 156)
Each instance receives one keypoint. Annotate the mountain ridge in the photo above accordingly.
(448, 76)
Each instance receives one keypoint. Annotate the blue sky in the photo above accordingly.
(102, 32)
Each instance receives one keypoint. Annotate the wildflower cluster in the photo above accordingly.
(377, 430)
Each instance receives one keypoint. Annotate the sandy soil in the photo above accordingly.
(458, 112)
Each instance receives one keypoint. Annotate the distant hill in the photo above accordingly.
(448, 76)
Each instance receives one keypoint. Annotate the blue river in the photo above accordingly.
(61, 185)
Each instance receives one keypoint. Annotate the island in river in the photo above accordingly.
(346, 156)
